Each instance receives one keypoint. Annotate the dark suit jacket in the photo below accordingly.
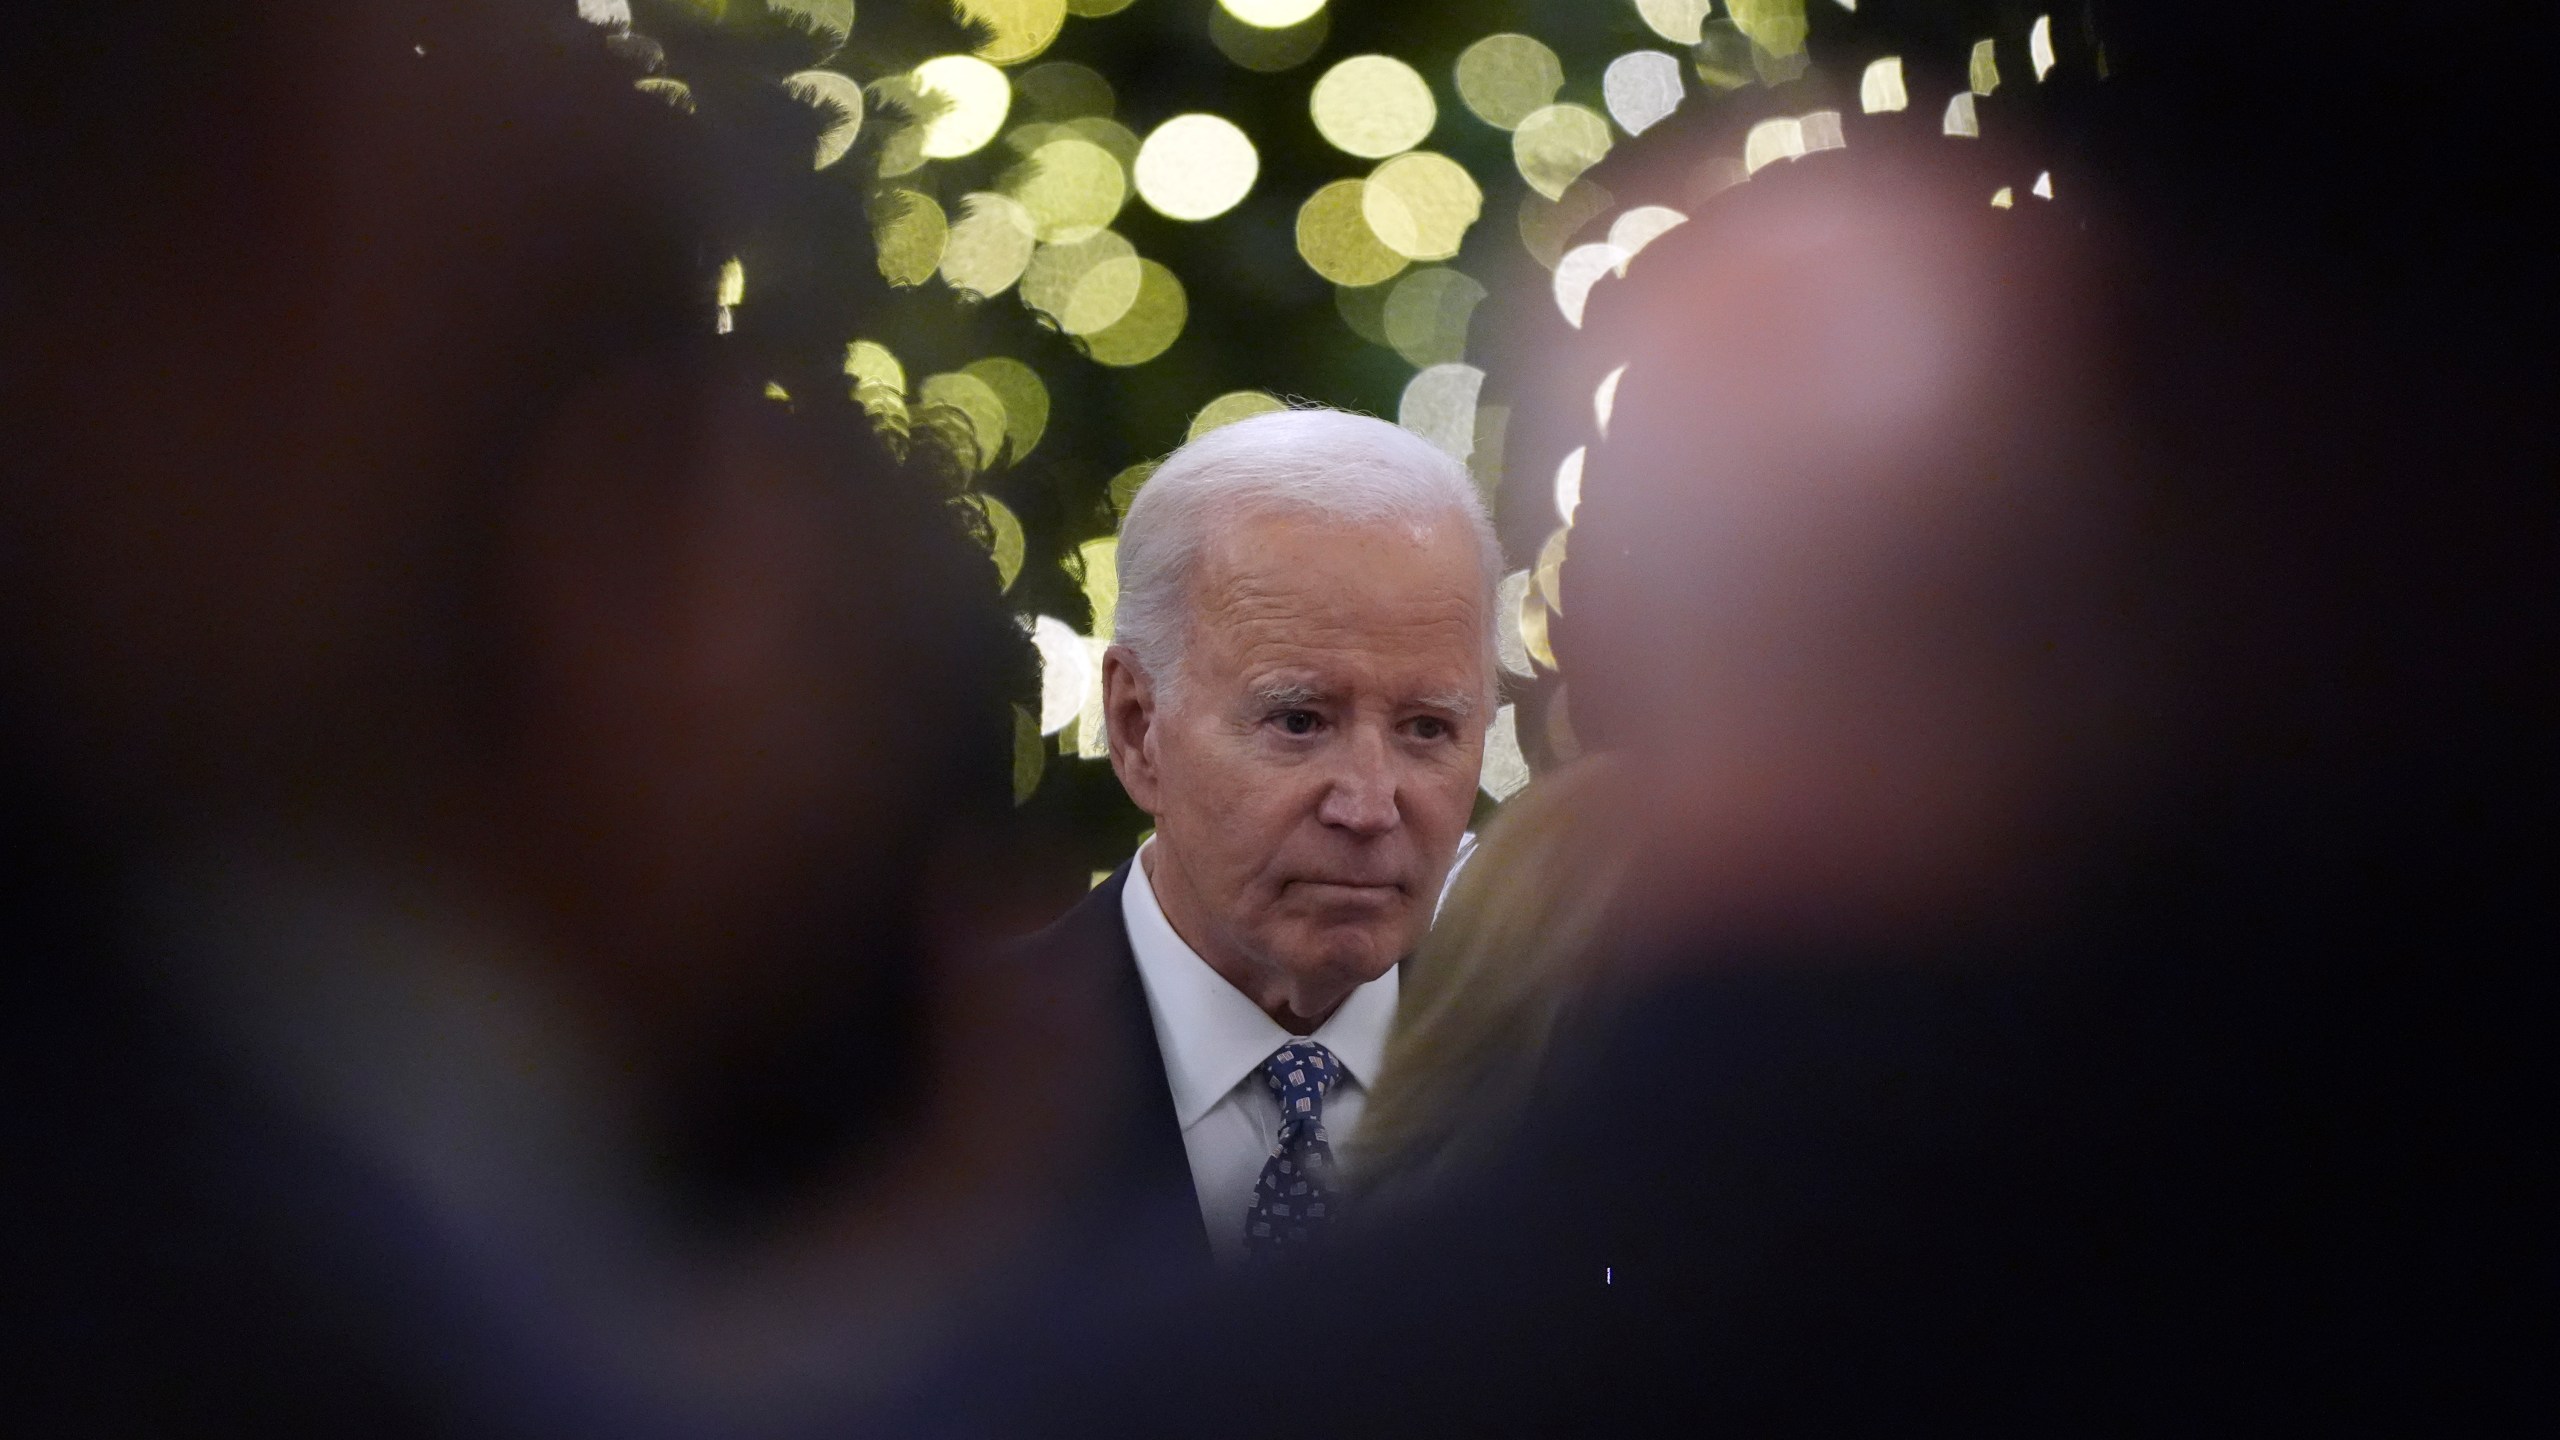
(1145, 1198)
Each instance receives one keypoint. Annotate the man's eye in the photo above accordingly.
(1297, 722)
(1431, 727)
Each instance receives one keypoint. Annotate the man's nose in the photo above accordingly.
(1361, 796)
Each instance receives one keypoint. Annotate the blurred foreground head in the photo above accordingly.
(516, 746)
(1931, 543)
(1842, 581)
(374, 475)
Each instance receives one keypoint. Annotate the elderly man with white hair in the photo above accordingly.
(1298, 693)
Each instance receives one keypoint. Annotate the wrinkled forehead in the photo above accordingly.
(1281, 543)
(1302, 592)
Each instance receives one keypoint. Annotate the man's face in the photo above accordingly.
(1312, 775)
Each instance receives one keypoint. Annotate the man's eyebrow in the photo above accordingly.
(1460, 703)
(1286, 693)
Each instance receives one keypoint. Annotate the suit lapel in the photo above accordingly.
(1147, 1142)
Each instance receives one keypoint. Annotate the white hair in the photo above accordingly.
(1326, 463)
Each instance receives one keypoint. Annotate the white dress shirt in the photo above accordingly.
(1214, 1041)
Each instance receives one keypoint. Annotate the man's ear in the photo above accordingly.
(1129, 713)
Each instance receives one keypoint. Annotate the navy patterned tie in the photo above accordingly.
(1293, 1202)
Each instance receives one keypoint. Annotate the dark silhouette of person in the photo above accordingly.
(489, 790)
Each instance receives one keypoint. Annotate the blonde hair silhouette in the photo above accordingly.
(1513, 955)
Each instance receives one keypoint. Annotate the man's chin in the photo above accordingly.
(1337, 961)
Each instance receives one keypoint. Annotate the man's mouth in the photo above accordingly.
(1351, 887)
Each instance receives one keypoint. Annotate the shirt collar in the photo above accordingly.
(1213, 1036)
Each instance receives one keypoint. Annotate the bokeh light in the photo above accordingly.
(1439, 404)
(990, 246)
(677, 94)
(1556, 144)
(1096, 563)
(1772, 140)
(1373, 106)
(973, 96)
(1108, 133)
(877, 381)
(1724, 58)
(1063, 90)
(2040, 46)
(1152, 323)
(1026, 400)
(870, 363)
(1096, 9)
(1420, 205)
(1582, 267)
(1196, 167)
(902, 149)
(1072, 187)
(1604, 407)
(1268, 51)
(1066, 669)
(1097, 566)
(1641, 88)
(1547, 226)
(909, 229)
(1335, 239)
(1124, 487)
(1550, 569)
(841, 98)
(1271, 14)
(1777, 27)
(1880, 89)
(1982, 72)
(975, 399)
(1569, 483)
(1960, 118)
(1002, 536)
(1507, 648)
(1363, 309)
(1533, 628)
(1506, 770)
(1677, 21)
(1507, 78)
(1424, 316)
(1085, 284)
(1231, 407)
(1019, 29)
(1642, 225)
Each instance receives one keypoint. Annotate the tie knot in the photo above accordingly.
(1299, 1073)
